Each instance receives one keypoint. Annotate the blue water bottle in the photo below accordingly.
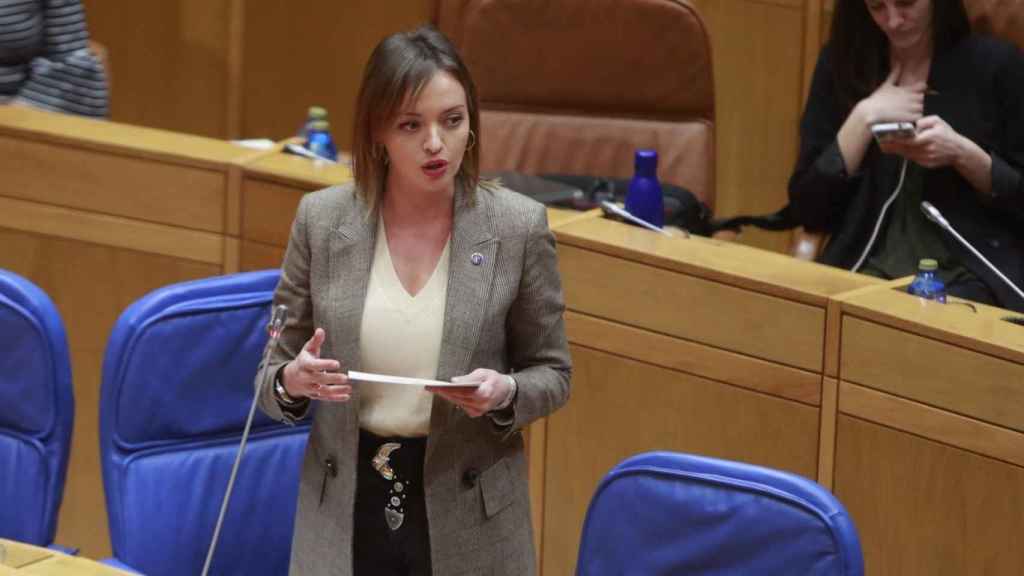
(312, 115)
(644, 197)
(927, 284)
(319, 141)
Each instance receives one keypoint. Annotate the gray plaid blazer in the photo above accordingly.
(504, 313)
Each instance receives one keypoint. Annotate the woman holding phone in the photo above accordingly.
(915, 61)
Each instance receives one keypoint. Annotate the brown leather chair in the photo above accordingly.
(1000, 18)
(576, 86)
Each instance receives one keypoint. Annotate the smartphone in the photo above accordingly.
(887, 131)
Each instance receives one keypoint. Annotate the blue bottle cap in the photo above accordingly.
(646, 163)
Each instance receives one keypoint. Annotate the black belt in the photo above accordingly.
(398, 461)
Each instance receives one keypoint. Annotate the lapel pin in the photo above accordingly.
(477, 258)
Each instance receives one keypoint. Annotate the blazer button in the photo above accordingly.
(470, 476)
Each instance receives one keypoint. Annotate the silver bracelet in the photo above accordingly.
(281, 394)
(511, 394)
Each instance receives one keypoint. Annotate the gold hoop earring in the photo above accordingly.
(472, 141)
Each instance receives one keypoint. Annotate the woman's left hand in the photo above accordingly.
(490, 389)
(935, 145)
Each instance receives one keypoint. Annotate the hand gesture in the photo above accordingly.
(476, 400)
(309, 376)
(936, 144)
(893, 103)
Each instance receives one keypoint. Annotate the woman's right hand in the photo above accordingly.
(893, 103)
(309, 376)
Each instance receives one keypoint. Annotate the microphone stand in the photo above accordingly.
(277, 318)
(934, 215)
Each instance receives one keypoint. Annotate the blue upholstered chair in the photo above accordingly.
(177, 386)
(37, 409)
(664, 513)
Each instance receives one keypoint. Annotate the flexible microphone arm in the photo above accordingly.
(934, 215)
(277, 318)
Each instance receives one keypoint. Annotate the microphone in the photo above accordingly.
(934, 215)
(278, 316)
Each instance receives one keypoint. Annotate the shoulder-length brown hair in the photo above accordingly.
(399, 67)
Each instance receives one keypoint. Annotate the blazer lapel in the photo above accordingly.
(351, 255)
(470, 273)
(474, 249)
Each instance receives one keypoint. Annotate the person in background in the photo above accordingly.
(45, 61)
(916, 61)
(417, 269)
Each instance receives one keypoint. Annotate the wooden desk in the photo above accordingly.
(98, 214)
(913, 414)
(271, 189)
(23, 559)
(929, 454)
(692, 345)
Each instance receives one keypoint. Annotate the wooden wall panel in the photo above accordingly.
(91, 285)
(927, 508)
(621, 407)
(693, 308)
(757, 53)
(933, 372)
(114, 184)
(313, 52)
(169, 61)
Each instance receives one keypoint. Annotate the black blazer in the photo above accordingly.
(980, 93)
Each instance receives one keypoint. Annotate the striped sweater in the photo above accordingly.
(45, 60)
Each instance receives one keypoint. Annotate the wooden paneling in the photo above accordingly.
(827, 434)
(169, 61)
(692, 358)
(933, 372)
(119, 185)
(757, 50)
(932, 423)
(726, 262)
(127, 140)
(297, 55)
(257, 256)
(111, 231)
(692, 308)
(620, 407)
(925, 508)
(91, 285)
(967, 325)
(268, 209)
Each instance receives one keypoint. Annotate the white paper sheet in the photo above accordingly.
(404, 381)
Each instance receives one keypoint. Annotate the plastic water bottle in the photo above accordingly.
(319, 141)
(927, 284)
(314, 114)
(644, 197)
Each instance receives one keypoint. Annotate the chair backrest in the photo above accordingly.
(669, 513)
(576, 86)
(37, 412)
(177, 387)
(1000, 18)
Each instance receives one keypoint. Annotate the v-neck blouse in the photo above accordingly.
(400, 335)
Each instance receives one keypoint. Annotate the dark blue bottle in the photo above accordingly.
(319, 141)
(644, 197)
(927, 284)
